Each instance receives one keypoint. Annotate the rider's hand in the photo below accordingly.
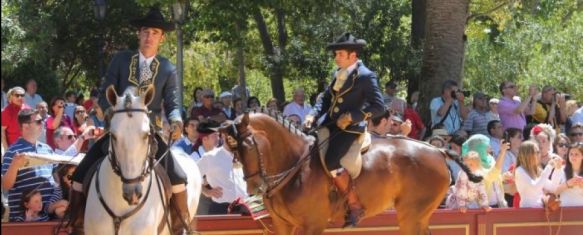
(176, 129)
(344, 120)
(309, 120)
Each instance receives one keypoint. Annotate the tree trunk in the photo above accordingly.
(443, 52)
(273, 57)
(417, 37)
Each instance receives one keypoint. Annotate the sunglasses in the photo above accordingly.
(71, 137)
(80, 112)
(19, 95)
(38, 122)
(563, 145)
(576, 134)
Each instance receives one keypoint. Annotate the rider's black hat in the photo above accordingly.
(347, 41)
(154, 19)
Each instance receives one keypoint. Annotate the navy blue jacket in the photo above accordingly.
(360, 96)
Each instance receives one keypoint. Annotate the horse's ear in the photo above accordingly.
(149, 95)
(111, 95)
(245, 119)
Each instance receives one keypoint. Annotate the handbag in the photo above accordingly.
(551, 202)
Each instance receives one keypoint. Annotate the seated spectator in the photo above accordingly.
(207, 111)
(31, 97)
(543, 135)
(224, 181)
(436, 141)
(92, 101)
(208, 139)
(530, 178)
(455, 145)
(379, 126)
(496, 133)
(67, 143)
(253, 103)
(491, 169)
(391, 100)
(10, 130)
(561, 146)
(492, 114)
(570, 178)
(273, 104)
(441, 132)
(238, 106)
(17, 179)
(186, 143)
(65, 174)
(467, 194)
(96, 117)
(298, 106)
(33, 207)
(70, 99)
(417, 127)
(477, 119)
(448, 109)
(550, 108)
(57, 119)
(576, 132)
(227, 99)
(511, 110)
(295, 119)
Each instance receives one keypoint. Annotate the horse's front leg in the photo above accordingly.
(281, 227)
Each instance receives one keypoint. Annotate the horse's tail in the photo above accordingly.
(456, 157)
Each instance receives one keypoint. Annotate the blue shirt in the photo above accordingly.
(185, 144)
(453, 121)
(38, 177)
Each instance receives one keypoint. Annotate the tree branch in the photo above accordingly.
(472, 16)
(263, 33)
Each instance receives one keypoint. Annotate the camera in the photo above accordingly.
(454, 95)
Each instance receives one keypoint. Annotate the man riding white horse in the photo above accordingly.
(141, 69)
(352, 98)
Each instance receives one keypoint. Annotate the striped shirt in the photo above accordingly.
(476, 123)
(38, 177)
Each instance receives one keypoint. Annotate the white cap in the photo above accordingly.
(225, 94)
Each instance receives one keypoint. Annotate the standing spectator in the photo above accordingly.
(80, 119)
(31, 97)
(577, 116)
(224, 182)
(543, 135)
(4, 99)
(550, 108)
(561, 146)
(273, 104)
(477, 119)
(207, 111)
(492, 114)
(238, 106)
(80, 99)
(58, 118)
(466, 194)
(196, 99)
(10, 130)
(512, 111)
(227, 99)
(43, 111)
(414, 100)
(208, 139)
(96, 116)
(398, 126)
(380, 125)
(298, 106)
(237, 92)
(530, 179)
(570, 179)
(576, 132)
(68, 143)
(455, 145)
(70, 99)
(496, 133)
(417, 127)
(186, 143)
(449, 109)
(93, 98)
(509, 164)
(391, 100)
(17, 179)
(253, 103)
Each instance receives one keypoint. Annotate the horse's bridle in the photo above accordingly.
(152, 145)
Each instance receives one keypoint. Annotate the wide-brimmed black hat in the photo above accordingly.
(208, 127)
(153, 19)
(347, 41)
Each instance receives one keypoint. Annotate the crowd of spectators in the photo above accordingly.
(523, 147)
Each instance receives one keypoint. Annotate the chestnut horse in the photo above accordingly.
(399, 173)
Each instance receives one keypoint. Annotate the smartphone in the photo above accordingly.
(506, 137)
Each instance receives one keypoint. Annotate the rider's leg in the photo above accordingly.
(179, 200)
(77, 197)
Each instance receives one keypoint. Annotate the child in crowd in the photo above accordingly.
(570, 187)
(467, 194)
(33, 207)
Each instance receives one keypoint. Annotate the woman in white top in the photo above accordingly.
(529, 178)
(570, 187)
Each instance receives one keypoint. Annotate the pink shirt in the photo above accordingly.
(508, 118)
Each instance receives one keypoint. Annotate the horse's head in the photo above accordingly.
(132, 144)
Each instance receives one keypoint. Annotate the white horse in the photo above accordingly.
(137, 203)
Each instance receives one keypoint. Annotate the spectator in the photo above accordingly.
(80, 119)
(93, 98)
(561, 146)
(4, 97)
(224, 182)
(58, 118)
(414, 100)
(237, 92)
(186, 143)
(298, 106)
(208, 139)
(391, 100)
(576, 132)
(492, 114)
(550, 108)
(496, 133)
(295, 119)
(530, 179)
(477, 119)
(96, 116)
(439, 131)
(65, 174)
(31, 97)
(43, 111)
(543, 135)
(570, 179)
(80, 99)
(67, 143)
(227, 99)
(273, 104)
(417, 127)
(379, 126)
(515, 139)
(436, 141)
(196, 99)
(455, 145)
(398, 126)
(253, 103)
(576, 117)
(17, 179)
(512, 111)
(70, 104)
(467, 194)
(33, 207)
(448, 109)
(491, 169)
(10, 130)
(207, 111)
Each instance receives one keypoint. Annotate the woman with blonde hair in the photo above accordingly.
(530, 179)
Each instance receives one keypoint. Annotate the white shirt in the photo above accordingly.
(295, 108)
(71, 151)
(571, 196)
(197, 155)
(217, 166)
(143, 59)
(531, 190)
(33, 100)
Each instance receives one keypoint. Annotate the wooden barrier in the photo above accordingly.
(443, 222)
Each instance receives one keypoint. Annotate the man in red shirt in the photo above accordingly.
(207, 111)
(10, 129)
